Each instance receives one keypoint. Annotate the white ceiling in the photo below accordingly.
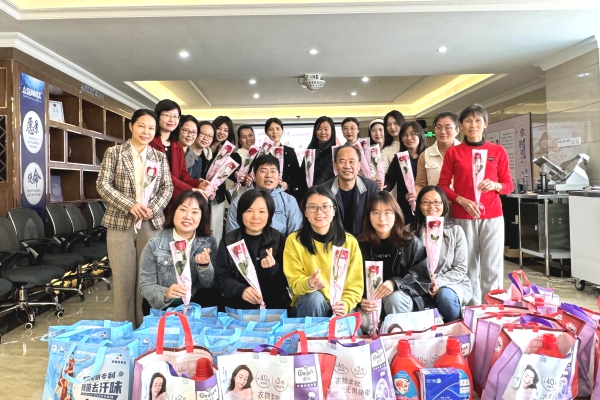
(397, 50)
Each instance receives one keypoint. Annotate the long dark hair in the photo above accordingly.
(246, 201)
(535, 381)
(336, 232)
(220, 120)
(235, 372)
(165, 105)
(399, 237)
(387, 138)
(419, 129)
(314, 142)
(164, 384)
(177, 132)
(203, 229)
(421, 219)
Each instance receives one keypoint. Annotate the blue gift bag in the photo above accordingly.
(106, 329)
(255, 315)
(194, 310)
(270, 327)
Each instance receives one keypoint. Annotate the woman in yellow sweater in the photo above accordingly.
(308, 255)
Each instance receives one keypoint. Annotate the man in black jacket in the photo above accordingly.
(351, 191)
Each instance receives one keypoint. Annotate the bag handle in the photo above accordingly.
(333, 321)
(160, 334)
(274, 349)
(302, 342)
(529, 319)
(195, 310)
(99, 359)
(519, 279)
(222, 342)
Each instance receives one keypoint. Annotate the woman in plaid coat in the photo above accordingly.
(135, 184)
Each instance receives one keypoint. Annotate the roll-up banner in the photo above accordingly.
(33, 158)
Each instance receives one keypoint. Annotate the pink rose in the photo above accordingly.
(279, 151)
(477, 156)
(180, 245)
(435, 224)
(238, 250)
(374, 151)
(252, 151)
(307, 154)
(403, 158)
(374, 269)
(231, 166)
(151, 171)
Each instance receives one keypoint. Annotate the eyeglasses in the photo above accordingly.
(206, 135)
(171, 116)
(325, 208)
(444, 128)
(427, 203)
(188, 132)
(412, 134)
(387, 214)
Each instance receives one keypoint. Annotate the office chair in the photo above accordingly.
(24, 277)
(96, 209)
(31, 233)
(76, 241)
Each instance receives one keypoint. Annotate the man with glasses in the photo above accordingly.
(430, 161)
(287, 218)
(350, 130)
(351, 191)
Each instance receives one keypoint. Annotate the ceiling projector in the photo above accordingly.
(312, 82)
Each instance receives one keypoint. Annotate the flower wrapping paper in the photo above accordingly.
(227, 168)
(246, 162)
(479, 157)
(221, 157)
(434, 234)
(241, 257)
(277, 152)
(374, 274)
(407, 173)
(266, 147)
(309, 166)
(150, 173)
(377, 171)
(339, 270)
(333, 158)
(181, 262)
(365, 161)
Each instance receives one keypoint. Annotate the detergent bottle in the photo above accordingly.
(405, 369)
(454, 359)
(549, 347)
(204, 369)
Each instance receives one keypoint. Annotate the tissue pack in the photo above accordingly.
(440, 384)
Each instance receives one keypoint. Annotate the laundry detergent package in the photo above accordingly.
(440, 384)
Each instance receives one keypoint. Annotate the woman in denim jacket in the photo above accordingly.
(188, 221)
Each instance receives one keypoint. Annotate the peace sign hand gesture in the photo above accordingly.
(268, 261)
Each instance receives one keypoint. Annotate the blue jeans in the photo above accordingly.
(313, 305)
(447, 303)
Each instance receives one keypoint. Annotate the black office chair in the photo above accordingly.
(43, 251)
(77, 241)
(24, 277)
(97, 211)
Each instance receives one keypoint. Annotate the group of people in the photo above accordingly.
(290, 229)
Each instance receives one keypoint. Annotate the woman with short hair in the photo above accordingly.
(291, 175)
(198, 153)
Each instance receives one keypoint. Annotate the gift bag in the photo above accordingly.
(94, 328)
(518, 373)
(194, 310)
(174, 364)
(362, 370)
(80, 367)
(411, 321)
(268, 375)
(312, 327)
(429, 345)
(254, 315)
(473, 313)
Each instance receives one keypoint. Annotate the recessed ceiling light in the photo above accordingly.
(442, 49)
(353, 93)
(256, 95)
(184, 54)
(252, 81)
(365, 79)
(582, 75)
(313, 51)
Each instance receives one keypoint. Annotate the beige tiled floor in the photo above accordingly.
(23, 357)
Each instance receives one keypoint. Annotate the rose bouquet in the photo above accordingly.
(278, 154)
(252, 154)
(182, 267)
(377, 165)
(226, 169)
(266, 147)
(339, 270)
(150, 173)
(241, 258)
(434, 232)
(365, 161)
(407, 173)
(479, 157)
(374, 274)
(221, 157)
(309, 166)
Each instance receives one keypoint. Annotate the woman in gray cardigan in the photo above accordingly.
(188, 225)
(450, 287)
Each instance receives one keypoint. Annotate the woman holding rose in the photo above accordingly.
(291, 175)
(186, 224)
(450, 287)
(263, 247)
(405, 275)
(412, 139)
